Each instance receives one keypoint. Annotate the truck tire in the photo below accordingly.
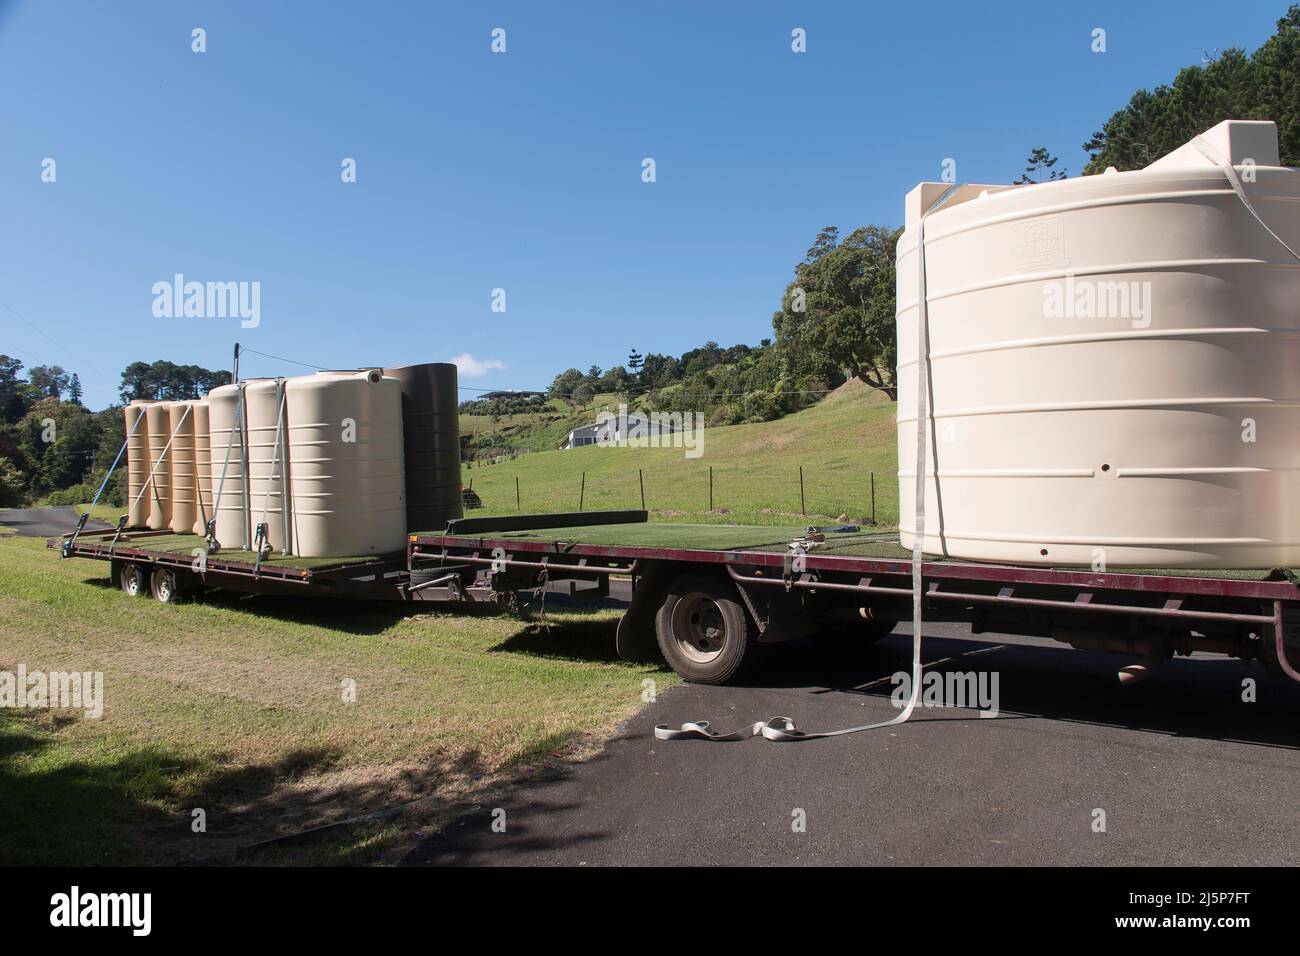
(704, 633)
(133, 579)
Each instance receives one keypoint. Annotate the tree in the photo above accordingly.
(583, 395)
(169, 382)
(1231, 85)
(74, 389)
(837, 316)
(1040, 161)
(16, 396)
(562, 385)
(50, 380)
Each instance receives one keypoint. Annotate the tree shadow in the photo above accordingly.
(135, 804)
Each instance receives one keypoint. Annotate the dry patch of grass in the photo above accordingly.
(235, 707)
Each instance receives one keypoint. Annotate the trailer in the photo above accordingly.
(705, 598)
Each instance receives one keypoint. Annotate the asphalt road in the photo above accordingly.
(1185, 771)
(46, 522)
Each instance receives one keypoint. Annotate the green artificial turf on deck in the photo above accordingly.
(186, 543)
(859, 544)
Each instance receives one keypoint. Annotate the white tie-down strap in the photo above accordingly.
(1214, 156)
(783, 729)
(780, 729)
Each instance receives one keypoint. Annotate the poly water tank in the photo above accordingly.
(158, 421)
(1114, 364)
(269, 458)
(431, 427)
(226, 421)
(345, 452)
(184, 488)
(137, 463)
(203, 463)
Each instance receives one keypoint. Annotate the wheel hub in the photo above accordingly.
(698, 628)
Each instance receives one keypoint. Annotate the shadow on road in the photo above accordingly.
(1198, 697)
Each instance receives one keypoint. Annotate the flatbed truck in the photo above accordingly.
(705, 597)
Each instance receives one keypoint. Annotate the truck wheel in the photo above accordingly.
(165, 587)
(133, 579)
(703, 632)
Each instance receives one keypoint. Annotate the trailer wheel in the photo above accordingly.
(133, 579)
(703, 632)
(165, 586)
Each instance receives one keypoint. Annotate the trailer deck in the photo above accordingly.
(185, 558)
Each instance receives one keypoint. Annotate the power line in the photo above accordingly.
(280, 358)
(569, 395)
(104, 378)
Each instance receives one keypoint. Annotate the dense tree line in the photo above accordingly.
(1229, 85)
(53, 447)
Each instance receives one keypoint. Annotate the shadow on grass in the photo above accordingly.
(590, 641)
(116, 803)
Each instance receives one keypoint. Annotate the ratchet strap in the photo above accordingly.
(1214, 156)
(81, 522)
(783, 729)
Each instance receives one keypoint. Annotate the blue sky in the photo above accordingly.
(519, 171)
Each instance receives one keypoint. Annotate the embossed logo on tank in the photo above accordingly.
(1039, 243)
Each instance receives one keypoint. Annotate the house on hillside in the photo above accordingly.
(609, 429)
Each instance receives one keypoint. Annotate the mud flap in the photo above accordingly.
(635, 640)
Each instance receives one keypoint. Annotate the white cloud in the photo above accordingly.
(470, 367)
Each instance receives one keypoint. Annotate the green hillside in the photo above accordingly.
(839, 442)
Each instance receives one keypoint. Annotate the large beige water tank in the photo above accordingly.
(158, 421)
(203, 463)
(346, 460)
(184, 487)
(137, 462)
(1114, 364)
(226, 422)
(269, 458)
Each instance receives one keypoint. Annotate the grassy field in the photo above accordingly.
(839, 442)
(236, 707)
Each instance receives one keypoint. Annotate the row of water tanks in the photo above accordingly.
(340, 463)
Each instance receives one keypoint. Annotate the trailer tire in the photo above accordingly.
(166, 587)
(133, 579)
(703, 632)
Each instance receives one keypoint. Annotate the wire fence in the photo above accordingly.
(777, 495)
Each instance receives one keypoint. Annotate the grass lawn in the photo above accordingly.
(840, 442)
(235, 706)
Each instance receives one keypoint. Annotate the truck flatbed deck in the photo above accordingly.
(859, 581)
(777, 538)
(704, 594)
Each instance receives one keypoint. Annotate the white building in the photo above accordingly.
(609, 429)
